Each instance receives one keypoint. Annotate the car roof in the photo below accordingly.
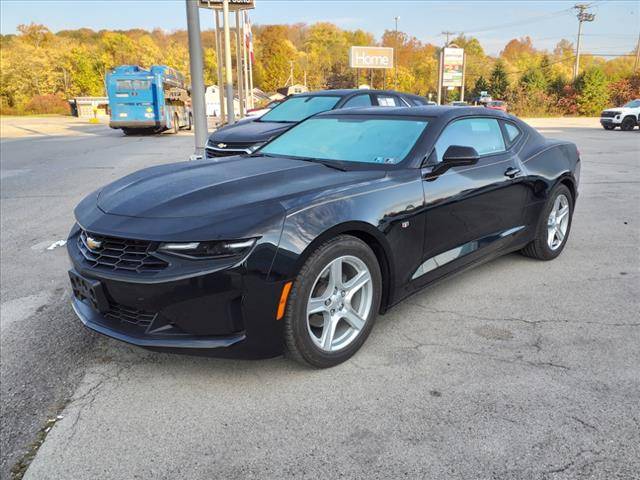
(342, 92)
(428, 111)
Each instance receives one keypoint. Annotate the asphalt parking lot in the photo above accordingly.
(517, 369)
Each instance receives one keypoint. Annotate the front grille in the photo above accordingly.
(607, 114)
(119, 254)
(134, 316)
(231, 148)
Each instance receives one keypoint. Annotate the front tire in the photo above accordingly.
(333, 303)
(628, 124)
(609, 127)
(553, 226)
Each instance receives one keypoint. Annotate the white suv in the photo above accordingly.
(625, 117)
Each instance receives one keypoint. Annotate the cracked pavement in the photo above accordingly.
(516, 369)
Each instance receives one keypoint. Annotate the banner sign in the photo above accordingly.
(452, 67)
(233, 4)
(371, 57)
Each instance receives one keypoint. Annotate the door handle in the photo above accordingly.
(512, 172)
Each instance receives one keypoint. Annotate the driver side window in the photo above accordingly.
(483, 134)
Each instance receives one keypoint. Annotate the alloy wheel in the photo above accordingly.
(558, 222)
(340, 303)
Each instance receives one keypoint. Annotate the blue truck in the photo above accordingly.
(144, 101)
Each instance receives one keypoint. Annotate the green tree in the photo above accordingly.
(481, 85)
(534, 80)
(593, 92)
(499, 81)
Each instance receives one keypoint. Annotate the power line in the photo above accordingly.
(521, 22)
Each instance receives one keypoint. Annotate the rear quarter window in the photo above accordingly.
(513, 132)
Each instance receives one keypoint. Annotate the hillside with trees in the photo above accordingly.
(40, 69)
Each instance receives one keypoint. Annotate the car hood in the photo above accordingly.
(250, 131)
(615, 110)
(211, 188)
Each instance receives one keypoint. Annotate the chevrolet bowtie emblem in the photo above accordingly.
(222, 145)
(93, 244)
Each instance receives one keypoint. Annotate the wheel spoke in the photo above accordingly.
(335, 273)
(356, 283)
(353, 319)
(562, 213)
(328, 331)
(559, 233)
(552, 236)
(316, 305)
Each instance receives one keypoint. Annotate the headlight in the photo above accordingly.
(216, 249)
(255, 146)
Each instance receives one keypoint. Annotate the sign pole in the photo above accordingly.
(245, 73)
(440, 77)
(228, 84)
(219, 65)
(239, 66)
(464, 66)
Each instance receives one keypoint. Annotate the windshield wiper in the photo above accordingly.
(325, 163)
(304, 159)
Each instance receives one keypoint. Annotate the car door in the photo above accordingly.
(471, 210)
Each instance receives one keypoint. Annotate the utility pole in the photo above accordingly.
(447, 34)
(395, 56)
(197, 77)
(583, 16)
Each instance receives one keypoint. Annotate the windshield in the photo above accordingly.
(350, 139)
(132, 85)
(633, 104)
(296, 109)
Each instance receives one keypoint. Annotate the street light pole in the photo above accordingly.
(197, 77)
(395, 56)
(583, 16)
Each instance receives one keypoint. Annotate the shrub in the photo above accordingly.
(47, 104)
(567, 100)
(625, 90)
(593, 94)
(527, 102)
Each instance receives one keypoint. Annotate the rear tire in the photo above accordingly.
(342, 313)
(628, 124)
(552, 231)
(128, 131)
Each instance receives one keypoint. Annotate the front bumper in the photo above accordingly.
(136, 124)
(230, 312)
(609, 121)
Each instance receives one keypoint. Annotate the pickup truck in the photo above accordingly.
(625, 117)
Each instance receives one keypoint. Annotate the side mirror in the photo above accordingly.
(460, 155)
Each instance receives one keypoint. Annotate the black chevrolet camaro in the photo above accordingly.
(298, 247)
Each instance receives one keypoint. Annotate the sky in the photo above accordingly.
(614, 31)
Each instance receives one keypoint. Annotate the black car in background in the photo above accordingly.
(249, 134)
(298, 246)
